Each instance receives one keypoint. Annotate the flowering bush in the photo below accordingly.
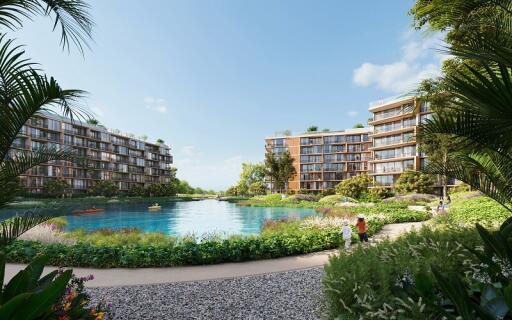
(74, 303)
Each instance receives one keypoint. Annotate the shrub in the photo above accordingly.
(479, 209)
(354, 186)
(414, 181)
(333, 199)
(327, 192)
(303, 191)
(366, 283)
(380, 192)
(412, 198)
(303, 197)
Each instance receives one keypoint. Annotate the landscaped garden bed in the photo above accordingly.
(132, 248)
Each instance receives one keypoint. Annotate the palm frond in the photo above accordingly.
(70, 16)
(14, 166)
(12, 228)
(24, 93)
(489, 172)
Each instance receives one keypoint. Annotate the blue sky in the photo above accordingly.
(213, 78)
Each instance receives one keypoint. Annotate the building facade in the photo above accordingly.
(323, 159)
(104, 155)
(394, 147)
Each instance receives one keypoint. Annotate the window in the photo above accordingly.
(408, 165)
(388, 167)
(384, 180)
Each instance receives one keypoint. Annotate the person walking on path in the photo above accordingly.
(347, 234)
(362, 228)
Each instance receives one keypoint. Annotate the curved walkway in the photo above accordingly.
(131, 277)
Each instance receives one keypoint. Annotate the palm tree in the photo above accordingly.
(479, 114)
(25, 91)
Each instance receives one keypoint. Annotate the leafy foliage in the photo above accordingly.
(413, 181)
(353, 187)
(279, 169)
(30, 296)
(380, 192)
(105, 188)
(56, 188)
(370, 282)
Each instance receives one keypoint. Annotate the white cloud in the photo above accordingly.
(352, 114)
(156, 104)
(418, 61)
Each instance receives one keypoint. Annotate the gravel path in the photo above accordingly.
(284, 295)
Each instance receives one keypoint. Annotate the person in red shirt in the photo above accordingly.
(362, 228)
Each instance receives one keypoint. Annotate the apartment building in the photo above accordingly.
(323, 159)
(394, 148)
(105, 155)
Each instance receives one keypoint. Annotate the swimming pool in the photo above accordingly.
(188, 217)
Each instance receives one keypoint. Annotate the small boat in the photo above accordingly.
(154, 207)
(89, 211)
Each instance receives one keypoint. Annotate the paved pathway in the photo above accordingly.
(131, 277)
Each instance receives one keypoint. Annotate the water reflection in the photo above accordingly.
(181, 218)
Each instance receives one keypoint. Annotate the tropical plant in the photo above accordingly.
(160, 141)
(56, 188)
(105, 188)
(359, 125)
(414, 181)
(477, 94)
(24, 92)
(354, 187)
(93, 121)
(312, 129)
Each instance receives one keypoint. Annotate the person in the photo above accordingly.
(440, 207)
(362, 228)
(346, 232)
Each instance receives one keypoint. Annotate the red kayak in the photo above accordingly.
(89, 211)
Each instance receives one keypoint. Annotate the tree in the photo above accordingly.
(25, 91)
(232, 191)
(93, 121)
(312, 129)
(161, 190)
(271, 169)
(477, 93)
(279, 169)
(354, 187)
(183, 187)
(160, 141)
(251, 173)
(137, 190)
(56, 188)
(358, 125)
(257, 188)
(105, 188)
(414, 181)
(286, 170)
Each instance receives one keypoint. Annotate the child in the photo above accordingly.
(362, 228)
(347, 234)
